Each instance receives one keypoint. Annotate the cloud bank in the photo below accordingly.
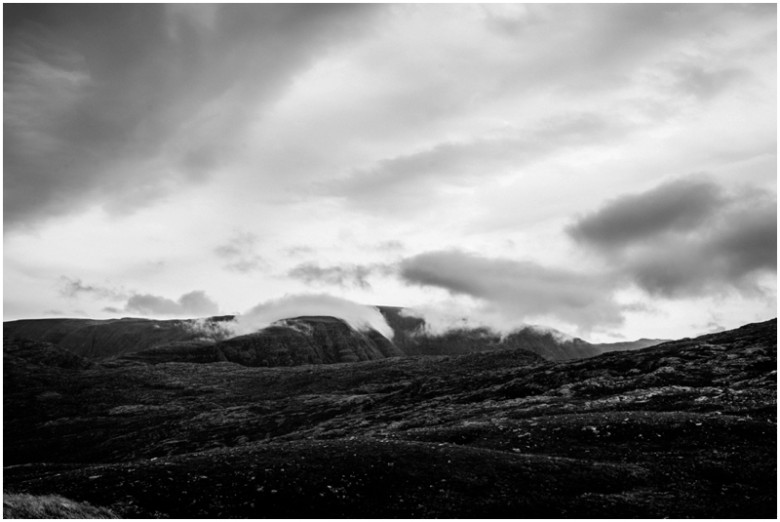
(515, 291)
(677, 206)
(685, 237)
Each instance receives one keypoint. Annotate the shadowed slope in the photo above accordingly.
(684, 429)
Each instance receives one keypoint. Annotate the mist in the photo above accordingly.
(443, 317)
(358, 316)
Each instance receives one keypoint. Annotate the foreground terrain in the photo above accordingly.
(682, 429)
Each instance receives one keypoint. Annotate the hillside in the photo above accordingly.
(412, 337)
(102, 338)
(683, 429)
(290, 342)
(295, 341)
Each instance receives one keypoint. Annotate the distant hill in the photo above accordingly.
(628, 345)
(413, 339)
(96, 339)
(290, 342)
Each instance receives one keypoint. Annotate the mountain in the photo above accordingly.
(685, 429)
(95, 339)
(413, 338)
(628, 345)
(294, 341)
(307, 340)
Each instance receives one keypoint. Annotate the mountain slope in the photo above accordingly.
(683, 429)
(628, 345)
(301, 340)
(307, 340)
(102, 338)
(412, 337)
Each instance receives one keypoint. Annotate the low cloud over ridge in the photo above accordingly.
(358, 316)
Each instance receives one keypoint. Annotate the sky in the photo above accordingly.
(606, 170)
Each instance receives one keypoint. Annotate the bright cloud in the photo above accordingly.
(358, 316)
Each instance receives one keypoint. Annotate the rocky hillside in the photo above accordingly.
(684, 429)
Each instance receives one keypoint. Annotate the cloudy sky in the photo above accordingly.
(607, 170)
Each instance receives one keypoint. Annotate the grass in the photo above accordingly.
(687, 429)
(23, 506)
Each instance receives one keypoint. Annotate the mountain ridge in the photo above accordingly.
(290, 341)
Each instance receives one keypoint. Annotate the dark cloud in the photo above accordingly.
(348, 275)
(239, 253)
(518, 288)
(686, 238)
(679, 205)
(195, 303)
(73, 288)
(725, 256)
(122, 104)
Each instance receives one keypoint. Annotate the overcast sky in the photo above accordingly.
(607, 170)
